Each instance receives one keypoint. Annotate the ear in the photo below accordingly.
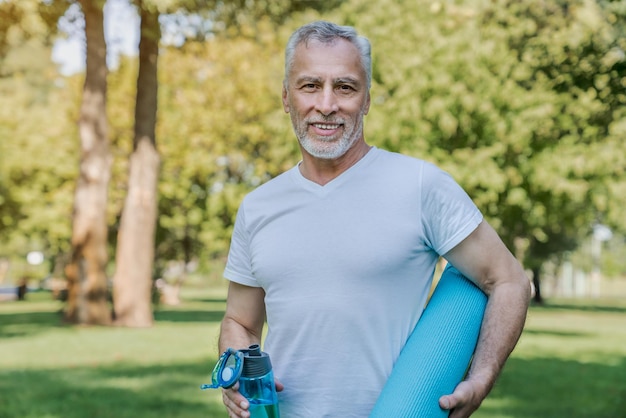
(285, 99)
(367, 104)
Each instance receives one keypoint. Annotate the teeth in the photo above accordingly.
(326, 126)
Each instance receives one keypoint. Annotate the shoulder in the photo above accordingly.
(406, 164)
(271, 196)
(277, 185)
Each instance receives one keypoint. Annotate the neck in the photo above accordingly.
(322, 171)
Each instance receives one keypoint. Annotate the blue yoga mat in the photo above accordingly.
(437, 354)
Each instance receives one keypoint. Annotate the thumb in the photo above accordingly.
(447, 402)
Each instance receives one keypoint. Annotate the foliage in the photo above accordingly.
(199, 20)
(521, 101)
(222, 133)
(578, 169)
(25, 20)
(37, 156)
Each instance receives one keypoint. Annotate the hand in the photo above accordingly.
(236, 404)
(465, 399)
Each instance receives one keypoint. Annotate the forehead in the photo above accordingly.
(327, 60)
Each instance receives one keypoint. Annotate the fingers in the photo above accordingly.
(279, 386)
(462, 402)
(236, 405)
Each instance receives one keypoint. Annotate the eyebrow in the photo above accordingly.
(346, 80)
(308, 79)
(318, 80)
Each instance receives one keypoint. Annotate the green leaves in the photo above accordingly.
(523, 102)
(520, 101)
(221, 132)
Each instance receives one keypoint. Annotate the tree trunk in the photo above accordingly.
(87, 282)
(537, 283)
(132, 281)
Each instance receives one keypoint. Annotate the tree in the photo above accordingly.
(520, 101)
(224, 132)
(134, 260)
(87, 282)
(574, 177)
(135, 244)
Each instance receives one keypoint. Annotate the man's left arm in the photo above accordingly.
(484, 258)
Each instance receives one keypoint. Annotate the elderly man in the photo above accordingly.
(338, 253)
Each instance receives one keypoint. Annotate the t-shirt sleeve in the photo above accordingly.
(239, 266)
(448, 213)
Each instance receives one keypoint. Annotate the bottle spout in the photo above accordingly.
(254, 350)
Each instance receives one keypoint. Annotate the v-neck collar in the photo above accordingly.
(342, 178)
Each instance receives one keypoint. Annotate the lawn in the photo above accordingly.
(570, 362)
(48, 370)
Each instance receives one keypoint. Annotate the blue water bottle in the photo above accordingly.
(256, 383)
(253, 370)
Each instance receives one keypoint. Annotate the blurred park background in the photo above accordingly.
(120, 178)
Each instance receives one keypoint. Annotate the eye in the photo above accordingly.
(308, 87)
(345, 88)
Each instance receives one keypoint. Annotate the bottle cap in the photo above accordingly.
(256, 363)
(233, 364)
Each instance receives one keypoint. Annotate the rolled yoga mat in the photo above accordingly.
(437, 354)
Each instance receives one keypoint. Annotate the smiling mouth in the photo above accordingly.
(326, 126)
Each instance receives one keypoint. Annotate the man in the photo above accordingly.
(338, 253)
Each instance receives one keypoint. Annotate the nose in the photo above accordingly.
(327, 102)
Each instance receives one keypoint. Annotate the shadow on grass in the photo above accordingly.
(554, 333)
(28, 323)
(120, 391)
(589, 307)
(22, 324)
(528, 388)
(207, 300)
(554, 388)
(188, 316)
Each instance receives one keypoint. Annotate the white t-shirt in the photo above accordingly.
(346, 268)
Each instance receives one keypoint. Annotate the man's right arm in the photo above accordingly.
(243, 320)
(241, 327)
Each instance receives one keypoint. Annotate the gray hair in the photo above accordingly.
(327, 33)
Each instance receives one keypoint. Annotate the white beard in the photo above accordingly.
(329, 148)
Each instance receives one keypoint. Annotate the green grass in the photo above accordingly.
(49, 370)
(570, 362)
